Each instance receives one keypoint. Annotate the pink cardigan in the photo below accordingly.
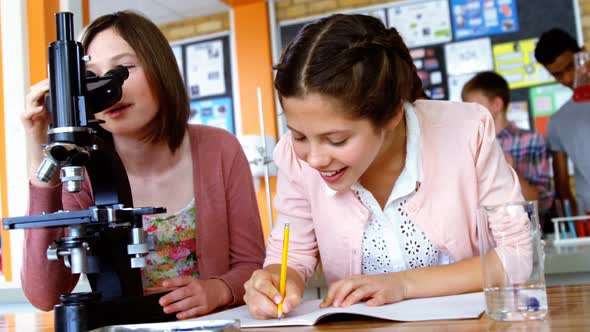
(230, 244)
(463, 168)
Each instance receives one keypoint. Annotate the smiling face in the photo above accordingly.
(132, 115)
(338, 147)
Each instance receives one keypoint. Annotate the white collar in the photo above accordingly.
(412, 173)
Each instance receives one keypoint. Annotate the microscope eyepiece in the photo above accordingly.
(120, 73)
(65, 26)
(90, 74)
(106, 90)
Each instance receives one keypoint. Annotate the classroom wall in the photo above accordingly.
(197, 26)
(294, 9)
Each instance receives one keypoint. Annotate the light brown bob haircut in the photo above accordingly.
(161, 70)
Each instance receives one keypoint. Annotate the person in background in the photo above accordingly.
(210, 240)
(383, 187)
(568, 128)
(524, 150)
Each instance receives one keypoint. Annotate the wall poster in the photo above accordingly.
(470, 56)
(478, 18)
(515, 61)
(421, 23)
(456, 83)
(205, 74)
(518, 112)
(215, 112)
(429, 62)
(546, 100)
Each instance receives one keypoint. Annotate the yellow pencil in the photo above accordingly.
(283, 278)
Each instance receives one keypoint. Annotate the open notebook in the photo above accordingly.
(309, 313)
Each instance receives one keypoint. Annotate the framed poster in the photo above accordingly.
(206, 66)
(205, 69)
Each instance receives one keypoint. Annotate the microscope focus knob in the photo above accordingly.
(138, 249)
(138, 262)
(52, 254)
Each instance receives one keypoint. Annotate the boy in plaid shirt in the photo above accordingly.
(525, 150)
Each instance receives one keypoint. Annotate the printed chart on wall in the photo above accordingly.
(464, 59)
(429, 62)
(546, 100)
(477, 18)
(456, 83)
(208, 81)
(421, 23)
(515, 61)
(205, 69)
(216, 112)
(518, 112)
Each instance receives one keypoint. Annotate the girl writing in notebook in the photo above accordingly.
(383, 187)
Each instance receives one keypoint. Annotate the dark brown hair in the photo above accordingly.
(159, 64)
(354, 59)
(554, 43)
(490, 84)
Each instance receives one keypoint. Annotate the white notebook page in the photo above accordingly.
(308, 313)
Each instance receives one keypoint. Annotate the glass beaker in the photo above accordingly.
(512, 260)
(582, 77)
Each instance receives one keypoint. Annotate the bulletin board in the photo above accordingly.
(205, 65)
(469, 36)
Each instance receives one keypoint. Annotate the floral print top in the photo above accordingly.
(172, 243)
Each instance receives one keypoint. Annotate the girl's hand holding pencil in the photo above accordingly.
(275, 290)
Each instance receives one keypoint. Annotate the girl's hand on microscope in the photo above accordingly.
(35, 118)
(193, 297)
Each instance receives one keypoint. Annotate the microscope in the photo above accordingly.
(107, 241)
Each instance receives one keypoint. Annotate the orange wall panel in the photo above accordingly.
(254, 66)
(41, 23)
(253, 50)
(5, 267)
(85, 13)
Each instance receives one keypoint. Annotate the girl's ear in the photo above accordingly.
(498, 106)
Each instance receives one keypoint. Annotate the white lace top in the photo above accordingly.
(391, 241)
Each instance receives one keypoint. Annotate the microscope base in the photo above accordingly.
(85, 314)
